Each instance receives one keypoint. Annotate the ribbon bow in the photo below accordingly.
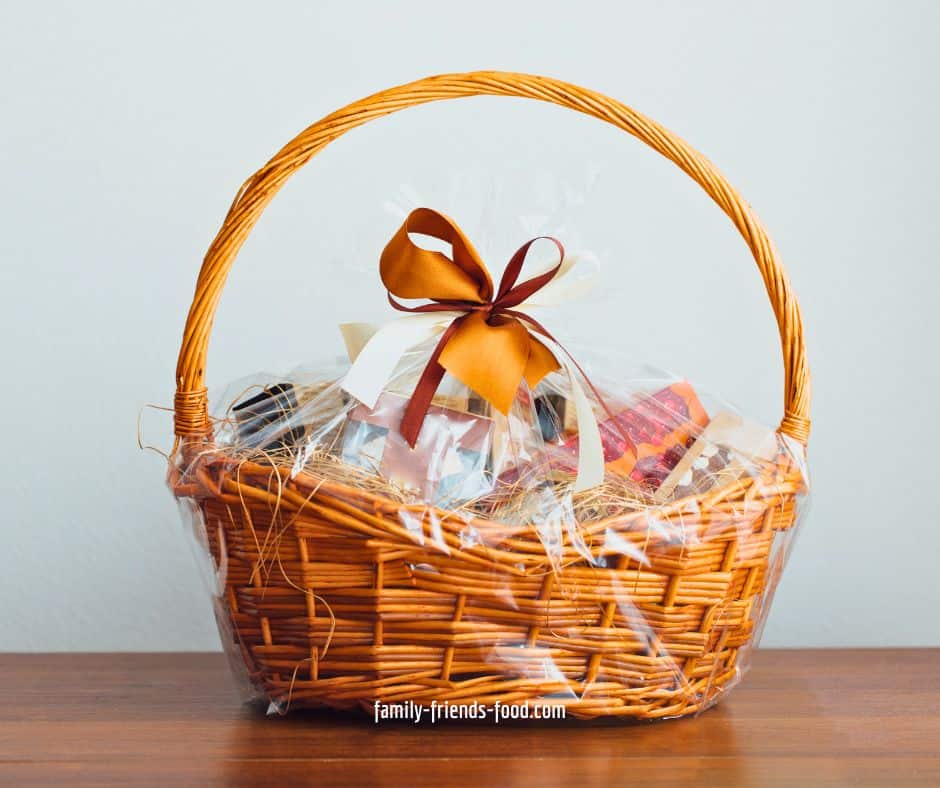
(487, 342)
(488, 348)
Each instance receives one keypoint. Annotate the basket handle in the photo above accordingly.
(191, 403)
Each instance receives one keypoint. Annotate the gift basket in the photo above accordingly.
(465, 512)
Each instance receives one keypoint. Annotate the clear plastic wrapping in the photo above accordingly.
(354, 570)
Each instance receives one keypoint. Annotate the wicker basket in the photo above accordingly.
(360, 619)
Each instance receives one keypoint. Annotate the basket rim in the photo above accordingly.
(702, 518)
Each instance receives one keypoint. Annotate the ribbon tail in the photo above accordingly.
(591, 468)
(591, 450)
(426, 388)
(356, 336)
(375, 362)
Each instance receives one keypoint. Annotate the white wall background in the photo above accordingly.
(126, 128)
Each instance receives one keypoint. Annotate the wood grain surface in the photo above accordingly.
(861, 717)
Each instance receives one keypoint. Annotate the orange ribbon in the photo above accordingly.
(489, 348)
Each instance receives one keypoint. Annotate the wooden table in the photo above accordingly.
(799, 718)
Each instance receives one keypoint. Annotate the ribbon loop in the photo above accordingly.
(489, 349)
(510, 294)
(408, 271)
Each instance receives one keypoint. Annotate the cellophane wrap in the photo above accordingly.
(341, 557)
(350, 569)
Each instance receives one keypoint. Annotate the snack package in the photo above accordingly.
(269, 408)
(646, 440)
(728, 447)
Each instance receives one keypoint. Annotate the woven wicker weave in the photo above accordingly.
(359, 610)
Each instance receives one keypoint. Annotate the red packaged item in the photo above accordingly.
(646, 440)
